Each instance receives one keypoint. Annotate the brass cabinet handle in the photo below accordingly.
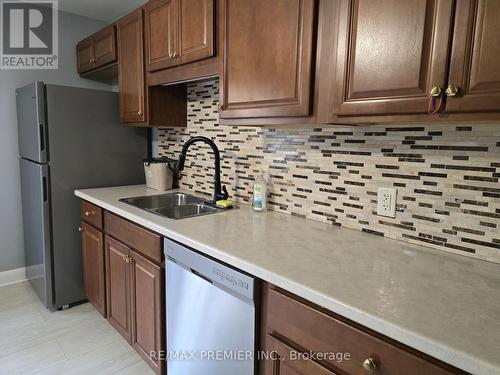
(435, 91)
(128, 259)
(220, 107)
(80, 229)
(139, 113)
(369, 364)
(89, 213)
(173, 55)
(451, 90)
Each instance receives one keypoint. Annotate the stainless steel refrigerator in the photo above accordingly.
(69, 138)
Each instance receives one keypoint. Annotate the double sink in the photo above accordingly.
(173, 205)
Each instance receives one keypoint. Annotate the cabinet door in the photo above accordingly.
(284, 361)
(196, 18)
(474, 59)
(85, 55)
(267, 54)
(390, 54)
(162, 25)
(131, 68)
(93, 267)
(105, 46)
(147, 307)
(118, 287)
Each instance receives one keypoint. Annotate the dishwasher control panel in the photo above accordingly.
(209, 269)
(227, 278)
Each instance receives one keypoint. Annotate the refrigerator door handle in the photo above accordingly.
(45, 190)
(42, 138)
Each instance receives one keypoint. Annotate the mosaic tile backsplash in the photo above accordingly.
(446, 175)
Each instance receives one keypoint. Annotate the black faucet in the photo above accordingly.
(219, 193)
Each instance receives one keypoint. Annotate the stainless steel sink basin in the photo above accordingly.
(186, 210)
(173, 205)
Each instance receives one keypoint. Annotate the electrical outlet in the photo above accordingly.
(386, 205)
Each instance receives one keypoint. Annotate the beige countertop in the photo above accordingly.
(442, 304)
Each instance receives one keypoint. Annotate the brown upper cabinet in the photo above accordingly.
(131, 68)
(85, 55)
(474, 67)
(390, 54)
(161, 26)
(267, 58)
(178, 32)
(304, 61)
(97, 51)
(196, 36)
(141, 105)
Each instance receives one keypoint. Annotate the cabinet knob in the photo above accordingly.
(435, 91)
(369, 364)
(139, 113)
(173, 55)
(89, 213)
(220, 107)
(80, 229)
(451, 90)
(128, 259)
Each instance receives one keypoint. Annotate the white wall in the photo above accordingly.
(72, 28)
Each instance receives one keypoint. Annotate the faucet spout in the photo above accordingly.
(220, 193)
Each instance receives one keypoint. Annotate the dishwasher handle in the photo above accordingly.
(200, 275)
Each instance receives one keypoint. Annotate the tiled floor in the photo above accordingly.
(34, 340)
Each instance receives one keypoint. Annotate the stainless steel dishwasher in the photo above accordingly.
(211, 315)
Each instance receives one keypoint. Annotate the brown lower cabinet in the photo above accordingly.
(306, 340)
(118, 287)
(135, 303)
(93, 267)
(124, 279)
(146, 308)
(282, 363)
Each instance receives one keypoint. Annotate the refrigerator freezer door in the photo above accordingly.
(31, 121)
(36, 221)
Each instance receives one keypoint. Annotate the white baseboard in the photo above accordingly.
(13, 276)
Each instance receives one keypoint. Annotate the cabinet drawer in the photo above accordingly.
(143, 241)
(91, 214)
(309, 329)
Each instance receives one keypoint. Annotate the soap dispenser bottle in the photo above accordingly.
(260, 193)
